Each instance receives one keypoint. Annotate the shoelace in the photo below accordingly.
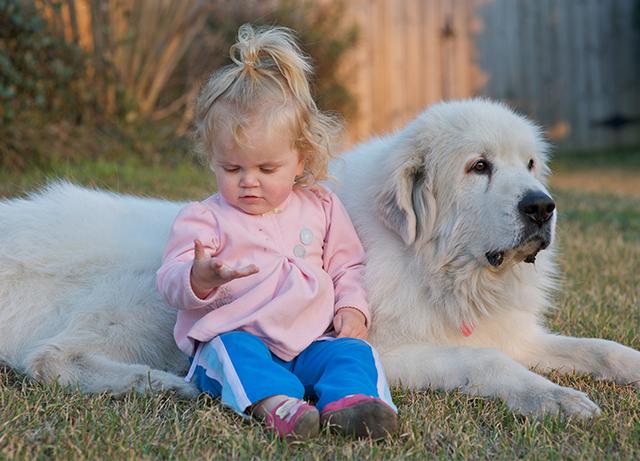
(289, 408)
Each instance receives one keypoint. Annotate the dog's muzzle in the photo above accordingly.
(535, 209)
(526, 250)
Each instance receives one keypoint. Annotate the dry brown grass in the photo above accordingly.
(599, 239)
(611, 181)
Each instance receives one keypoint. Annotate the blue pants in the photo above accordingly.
(238, 367)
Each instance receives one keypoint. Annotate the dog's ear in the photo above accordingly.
(404, 203)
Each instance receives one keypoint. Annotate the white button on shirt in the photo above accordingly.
(291, 301)
(306, 236)
(299, 251)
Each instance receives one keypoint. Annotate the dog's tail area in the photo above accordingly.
(62, 242)
(64, 228)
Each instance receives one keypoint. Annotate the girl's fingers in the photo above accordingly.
(347, 332)
(244, 271)
(337, 325)
(217, 266)
(227, 273)
(346, 327)
(222, 271)
(353, 333)
(198, 249)
(248, 270)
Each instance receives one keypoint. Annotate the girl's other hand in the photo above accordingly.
(208, 273)
(349, 322)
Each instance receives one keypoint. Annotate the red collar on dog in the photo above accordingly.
(466, 328)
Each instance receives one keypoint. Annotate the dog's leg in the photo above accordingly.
(600, 358)
(484, 372)
(95, 372)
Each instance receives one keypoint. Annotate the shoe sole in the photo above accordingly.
(366, 419)
(307, 426)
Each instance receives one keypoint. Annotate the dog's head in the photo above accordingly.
(470, 180)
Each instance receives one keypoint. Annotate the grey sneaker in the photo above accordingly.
(360, 416)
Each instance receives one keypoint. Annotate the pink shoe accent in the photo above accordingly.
(346, 402)
(361, 416)
(293, 418)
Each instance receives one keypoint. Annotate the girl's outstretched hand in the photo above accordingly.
(208, 273)
(349, 322)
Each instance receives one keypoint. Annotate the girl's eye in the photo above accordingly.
(531, 164)
(230, 169)
(267, 170)
(481, 167)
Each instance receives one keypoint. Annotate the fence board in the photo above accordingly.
(567, 64)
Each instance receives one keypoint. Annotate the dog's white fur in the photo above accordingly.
(77, 270)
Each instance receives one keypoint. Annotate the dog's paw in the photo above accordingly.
(188, 390)
(162, 381)
(554, 400)
(625, 365)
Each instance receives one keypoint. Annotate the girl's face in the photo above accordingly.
(257, 175)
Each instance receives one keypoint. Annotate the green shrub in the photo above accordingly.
(38, 69)
(53, 94)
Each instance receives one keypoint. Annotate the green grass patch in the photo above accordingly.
(183, 180)
(623, 158)
(599, 253)
(50, 422)
(619, 216)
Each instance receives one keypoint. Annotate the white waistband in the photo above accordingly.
(194, 363)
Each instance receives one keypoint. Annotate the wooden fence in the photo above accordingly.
(572, 65)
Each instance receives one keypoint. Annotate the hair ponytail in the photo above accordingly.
(268, 67)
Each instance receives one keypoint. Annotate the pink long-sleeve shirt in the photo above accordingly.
(311, 264)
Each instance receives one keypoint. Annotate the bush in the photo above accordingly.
(142, 62)
(38, 69)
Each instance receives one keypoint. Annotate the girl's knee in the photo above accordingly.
(352, 344)
(241, 340)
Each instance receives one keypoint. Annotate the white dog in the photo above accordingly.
(453, 212)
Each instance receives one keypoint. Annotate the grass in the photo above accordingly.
(186, 179)
(599, 239)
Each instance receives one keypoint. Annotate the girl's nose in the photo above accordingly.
(248, 180)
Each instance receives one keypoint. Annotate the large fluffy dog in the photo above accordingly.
(457, 223)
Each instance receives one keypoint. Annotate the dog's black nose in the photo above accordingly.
(536, 206)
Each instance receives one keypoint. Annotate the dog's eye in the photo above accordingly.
(481, 167)
(531, 164)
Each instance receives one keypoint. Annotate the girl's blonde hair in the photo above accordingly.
(268, 71)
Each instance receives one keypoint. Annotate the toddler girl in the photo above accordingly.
(267, 273)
